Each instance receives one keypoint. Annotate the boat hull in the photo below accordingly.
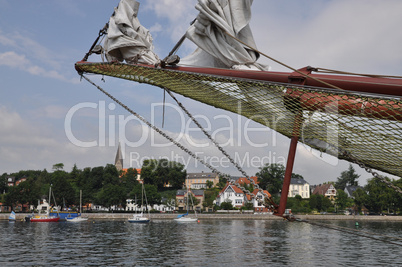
(139, 220)
(186, 220)
(44, 219)
(76, 219)
(65, 214)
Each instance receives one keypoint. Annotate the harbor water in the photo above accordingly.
(207, 243)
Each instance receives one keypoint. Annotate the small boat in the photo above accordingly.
(139, 218)
(11, 218)
(77, 217)
(44, 217)
(63, 214)
(184, 218)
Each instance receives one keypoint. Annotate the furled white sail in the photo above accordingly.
(126, 38)
(215, 47)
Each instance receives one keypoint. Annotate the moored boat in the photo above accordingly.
(44, 218)
(64, 214)
(139, 218)
(77, 218)
(11, 218)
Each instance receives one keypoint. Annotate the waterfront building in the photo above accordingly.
(299, 187)
(327, 190)
(199, 180)
(181, 199)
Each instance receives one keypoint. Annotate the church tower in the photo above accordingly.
(118, 162)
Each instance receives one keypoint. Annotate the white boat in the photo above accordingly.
(184, 218)
(139, 217)
(78, 218)
(44, 215)
(11, 218)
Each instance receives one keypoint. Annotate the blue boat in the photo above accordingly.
(64, 214)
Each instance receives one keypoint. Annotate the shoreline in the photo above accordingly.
(219, 216)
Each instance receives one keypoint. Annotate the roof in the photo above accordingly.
(255, 192)
(235, 189)
(197, 175)
(125, 170)
(244, 180)
(321, 189)
(197, 192)
(298, 181)
(351, 188)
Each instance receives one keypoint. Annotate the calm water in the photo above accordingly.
(208, 243)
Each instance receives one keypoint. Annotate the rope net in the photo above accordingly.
(365, 129)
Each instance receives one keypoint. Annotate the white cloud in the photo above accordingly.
(14, 60)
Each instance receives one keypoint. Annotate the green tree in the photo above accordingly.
(12, 196)
(271, 177)
(3, 183)
(162, 172)
(348, 177)
(319, 202)
(29, 192)
(209, 197)
(111, 195)
(58, 166)
(341, 199)
(62, 190)
(151, 194)
(227, 205)
(360, 198)
(209, 184)
(380, 197)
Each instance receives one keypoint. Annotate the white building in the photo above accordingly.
(235, 195)
(231, 193)
(299, 187)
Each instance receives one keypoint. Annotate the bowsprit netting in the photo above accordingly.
(351, 126)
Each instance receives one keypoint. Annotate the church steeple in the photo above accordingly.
(118, 162)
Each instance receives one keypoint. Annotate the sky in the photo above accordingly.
(49, 116)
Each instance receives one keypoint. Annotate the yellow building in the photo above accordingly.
(199, 180)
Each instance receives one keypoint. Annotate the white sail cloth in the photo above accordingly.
(215, 48)
(126, 38)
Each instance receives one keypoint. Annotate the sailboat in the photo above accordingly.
(44, 217)
(185, 217)
(77, 218)
(139, 217)
(11, 218)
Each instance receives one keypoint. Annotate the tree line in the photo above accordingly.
(106, 186)
(103, 185)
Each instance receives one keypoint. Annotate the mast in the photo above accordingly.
(50, 194)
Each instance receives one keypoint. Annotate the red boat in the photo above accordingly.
(44, 218)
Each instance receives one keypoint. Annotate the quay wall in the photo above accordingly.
(223, 216)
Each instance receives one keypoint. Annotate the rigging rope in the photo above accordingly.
(323, 70)
(156, 129)
(283, 64)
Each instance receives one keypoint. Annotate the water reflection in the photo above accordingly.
(209, 243)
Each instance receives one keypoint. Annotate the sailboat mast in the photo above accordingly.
(50, 193)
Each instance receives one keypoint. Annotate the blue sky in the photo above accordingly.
(41, 40)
